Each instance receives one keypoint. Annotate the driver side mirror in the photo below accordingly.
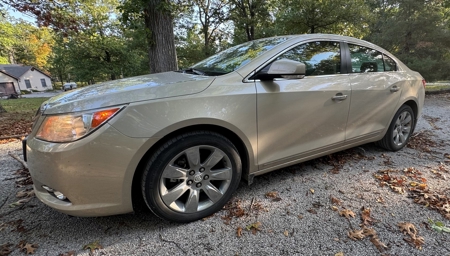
(284, 68)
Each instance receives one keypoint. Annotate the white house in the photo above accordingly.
(14, 78)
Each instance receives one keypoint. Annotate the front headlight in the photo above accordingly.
(71, 127)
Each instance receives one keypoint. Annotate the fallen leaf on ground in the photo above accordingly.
(69, 253)
(347, 213)
(5, 250)
(369, 232)
(339, 254)
(334, 208)
(408, 228)
(93, 246)
(356, 234)
(312, 211)
(286, 233)
(239, 232)
(234, 209)
(272, 194)
(25, 193)
(254, 227)
(365, 216)
(380, 246)
(312, 190)
(416, 241)
(20, 202)
(27, 248)
(335, 201)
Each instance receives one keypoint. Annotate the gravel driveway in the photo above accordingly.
(292, 211)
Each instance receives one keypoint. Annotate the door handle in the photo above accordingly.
(395, 88)
(339, 97)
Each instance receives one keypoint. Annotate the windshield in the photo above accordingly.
(235, 57)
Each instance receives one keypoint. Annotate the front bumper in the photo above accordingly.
(94, 173)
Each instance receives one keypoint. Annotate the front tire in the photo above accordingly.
(400, 130)
(191, 176)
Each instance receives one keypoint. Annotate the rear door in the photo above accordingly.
(297, 117)
(376, 88)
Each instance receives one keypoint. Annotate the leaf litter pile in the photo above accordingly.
(412, 182)
(339, 159)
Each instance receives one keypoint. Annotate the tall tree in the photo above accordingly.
(158, 19)
(324, 16)
(249, 16)
(212, 14)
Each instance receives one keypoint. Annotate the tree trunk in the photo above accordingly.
(160, 38)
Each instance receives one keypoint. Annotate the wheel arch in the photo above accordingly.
(237, 141)
(414, 106)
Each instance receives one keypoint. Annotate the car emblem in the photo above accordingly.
(198, 178)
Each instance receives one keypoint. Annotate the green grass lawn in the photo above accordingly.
(432, 87)
(23, 105)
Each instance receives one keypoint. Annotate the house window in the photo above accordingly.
(44, 84)
(27, 83)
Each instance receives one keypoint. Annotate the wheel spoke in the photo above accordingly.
(402, 138)
(172, 195)
(173, 172)
(214, 158)
(406, 119)
(193, 156)
(221, 174)
(192, 202)
(396, 138)
(212, 192)
(406, 129)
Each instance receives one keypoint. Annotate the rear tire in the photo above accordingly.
(191, 176)
(400, 130)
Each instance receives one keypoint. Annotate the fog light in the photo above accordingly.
(59, 195)
(49, 189)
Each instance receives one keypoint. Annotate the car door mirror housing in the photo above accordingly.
(284, 68)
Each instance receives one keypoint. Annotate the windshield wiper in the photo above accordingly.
(193, 71)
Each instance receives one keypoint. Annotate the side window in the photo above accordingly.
(365, 59)
(44, 84)
(389, 64)
(27, 83)
(320, 58)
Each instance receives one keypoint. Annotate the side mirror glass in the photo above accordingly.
(284, 68)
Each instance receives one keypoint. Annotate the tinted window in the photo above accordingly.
(44, 84)
(365, 59)
(320, 58)
(389, 64)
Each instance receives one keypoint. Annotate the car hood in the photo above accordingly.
(133, 89)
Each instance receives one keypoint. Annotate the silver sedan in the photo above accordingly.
(182, 141)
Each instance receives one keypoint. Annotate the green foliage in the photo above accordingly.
(322, 16)
(97, 40)
(416, 31)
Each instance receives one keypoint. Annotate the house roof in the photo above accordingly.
(3, 72)
(17, 70)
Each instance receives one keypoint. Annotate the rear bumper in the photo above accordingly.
(94, 173)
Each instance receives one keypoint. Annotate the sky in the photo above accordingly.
(19, 15)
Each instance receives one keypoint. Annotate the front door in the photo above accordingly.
(299, 116)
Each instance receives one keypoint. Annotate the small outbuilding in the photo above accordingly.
(15, 78)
